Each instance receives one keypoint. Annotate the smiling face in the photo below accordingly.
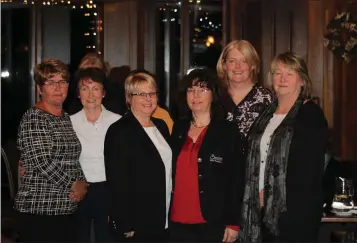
(237, 67)
(54, 90)
(286, 81)
(143, 100)
(91, 93)
(199, 99)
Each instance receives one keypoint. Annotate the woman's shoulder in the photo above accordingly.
(76, 116)
(311, 113)
(34, 113)
(113, 117)
(225, 126)
(263, 91)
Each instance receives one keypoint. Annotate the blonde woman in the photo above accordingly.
(138, 165)
(243, 98)
(287, 144)
(93, 60)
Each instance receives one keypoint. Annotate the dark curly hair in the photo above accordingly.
(202, 77)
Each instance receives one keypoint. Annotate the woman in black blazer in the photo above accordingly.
(208, 168)
(287, 144)
(138, 165)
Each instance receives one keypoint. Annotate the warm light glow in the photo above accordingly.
(208, 44)
(210, 39)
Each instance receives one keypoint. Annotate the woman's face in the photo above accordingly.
(286, 81)
(143, 101)
(91, 93)
(236, 67)
(199, 99)
(54, 91)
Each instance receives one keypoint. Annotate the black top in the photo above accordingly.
(247, 111)
(305, 175)
(220, 170)
(136, 177)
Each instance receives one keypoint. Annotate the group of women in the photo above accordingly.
(238, 165)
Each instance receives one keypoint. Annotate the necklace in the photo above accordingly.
(195, 125)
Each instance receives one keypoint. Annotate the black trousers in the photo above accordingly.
(148, 237)
(45, 228)
(267, 236)
(195, 232)
(93, 207)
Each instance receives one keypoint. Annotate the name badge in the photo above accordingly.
(216, 159)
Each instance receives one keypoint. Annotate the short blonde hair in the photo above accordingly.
(249, 53)
(296, 63)
(134, 80)
(94, 60)
(48, 68)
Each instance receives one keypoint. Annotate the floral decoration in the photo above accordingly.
(341, 36)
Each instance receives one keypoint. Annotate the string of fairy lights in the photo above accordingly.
(87, 7)
(204, 23)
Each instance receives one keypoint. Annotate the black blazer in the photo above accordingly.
(305, 170)
(136, 177)
(221, 170)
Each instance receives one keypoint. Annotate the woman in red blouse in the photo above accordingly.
(208, 166)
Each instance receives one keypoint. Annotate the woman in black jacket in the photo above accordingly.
(208, 169)
(286, 146)
(138, 165)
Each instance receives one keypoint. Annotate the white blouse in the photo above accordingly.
(92, 136)
(166, 156)
(265, 142)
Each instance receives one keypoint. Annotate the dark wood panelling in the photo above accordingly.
(315, 46)
(328, 78)
(268, 37)
(282, 36)
(299, 25)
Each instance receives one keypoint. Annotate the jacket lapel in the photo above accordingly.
(143, 136)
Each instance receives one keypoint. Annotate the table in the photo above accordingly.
(330, 223)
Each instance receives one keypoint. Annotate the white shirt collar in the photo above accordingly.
(100, 118)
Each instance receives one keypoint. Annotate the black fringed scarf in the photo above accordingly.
(274, 177)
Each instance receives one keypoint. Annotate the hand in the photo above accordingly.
(230, 235)
(73, 198)
(129, 234)
(21, 169)
(261, 198)
(79, 189)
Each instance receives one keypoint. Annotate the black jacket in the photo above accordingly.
(304, 195)
(220, 170)
(136, 176)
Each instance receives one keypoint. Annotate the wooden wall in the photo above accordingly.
(275, 26)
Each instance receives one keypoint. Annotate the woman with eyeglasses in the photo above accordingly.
(208, 167)
(138, 165)
(54, 182)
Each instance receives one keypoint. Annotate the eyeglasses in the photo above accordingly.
(198, 90)
(53, 84)
(145, 95)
